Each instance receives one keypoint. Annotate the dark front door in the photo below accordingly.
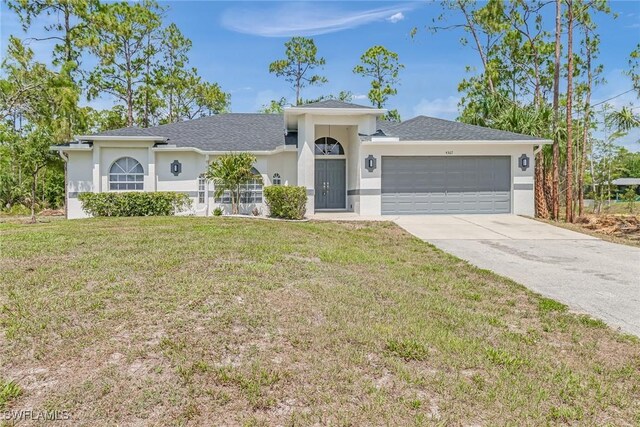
(330, 185)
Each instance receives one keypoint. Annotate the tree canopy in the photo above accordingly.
(383, 67)
(123, 52)
(297, 67)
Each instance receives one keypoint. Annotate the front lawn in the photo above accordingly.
(208, 321)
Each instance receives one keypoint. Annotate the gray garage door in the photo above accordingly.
(446, 185)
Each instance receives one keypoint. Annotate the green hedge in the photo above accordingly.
(286, 202)
(134, 203)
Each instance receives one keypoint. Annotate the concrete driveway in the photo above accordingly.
(586, 273)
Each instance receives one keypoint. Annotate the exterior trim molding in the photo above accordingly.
(120, 138)
(455, 142)
(523, 186)
(364, 192)
(326, 111)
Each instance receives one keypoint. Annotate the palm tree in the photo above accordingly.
(533, 119)
(229, 172)
(623, 120)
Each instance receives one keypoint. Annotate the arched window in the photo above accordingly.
(126, 173)
(276, 179)
(250, 192)
(328, 146)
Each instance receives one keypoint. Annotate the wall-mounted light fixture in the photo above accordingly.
(176, 168)
(370, 163)
(524, 162)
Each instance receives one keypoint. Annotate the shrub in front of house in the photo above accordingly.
(134, 203)
(286, 202)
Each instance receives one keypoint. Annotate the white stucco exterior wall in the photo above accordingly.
(88, 171)
(79, 180)
(306, 158)
(88, 166)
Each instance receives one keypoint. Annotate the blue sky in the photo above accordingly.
(234, 42)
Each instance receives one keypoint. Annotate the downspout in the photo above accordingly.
(537, 150)
(65, 159)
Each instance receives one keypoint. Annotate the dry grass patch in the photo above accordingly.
(624, 227)
(195, 321)
(616, 228)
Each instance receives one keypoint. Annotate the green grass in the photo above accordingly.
(547, 305)
(408, 349)
(9, 391)
(201, 321)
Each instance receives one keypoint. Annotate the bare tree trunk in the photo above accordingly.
(548, 184)
(555, 187)
(129, 106)
(592, 170)
(585, 133)
(129, 87)
(235, 199)
(542, 210)
(569, 192)
(298, 82)
(171, 106)
(147, 83)
(33, 197)
(43, 185)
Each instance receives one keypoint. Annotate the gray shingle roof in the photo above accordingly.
(265, 132)
(332, 103)
(132, 131)
(423, 128)
(222, 132)
(626, 181)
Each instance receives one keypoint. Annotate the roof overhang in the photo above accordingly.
(335, 111)
(626, 181)
(72, 147)
(396, 141)
(120, 138)
(173, 148)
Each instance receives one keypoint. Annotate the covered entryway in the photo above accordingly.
(330, 184)
(446, 185)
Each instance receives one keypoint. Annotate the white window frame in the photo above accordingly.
(328, 144)
(202, 189)
(128, 178)
(250, 193)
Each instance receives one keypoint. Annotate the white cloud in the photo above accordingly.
(444, 108)
(241, 89)
(359, 96)
(303, 19)
(396, 17)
